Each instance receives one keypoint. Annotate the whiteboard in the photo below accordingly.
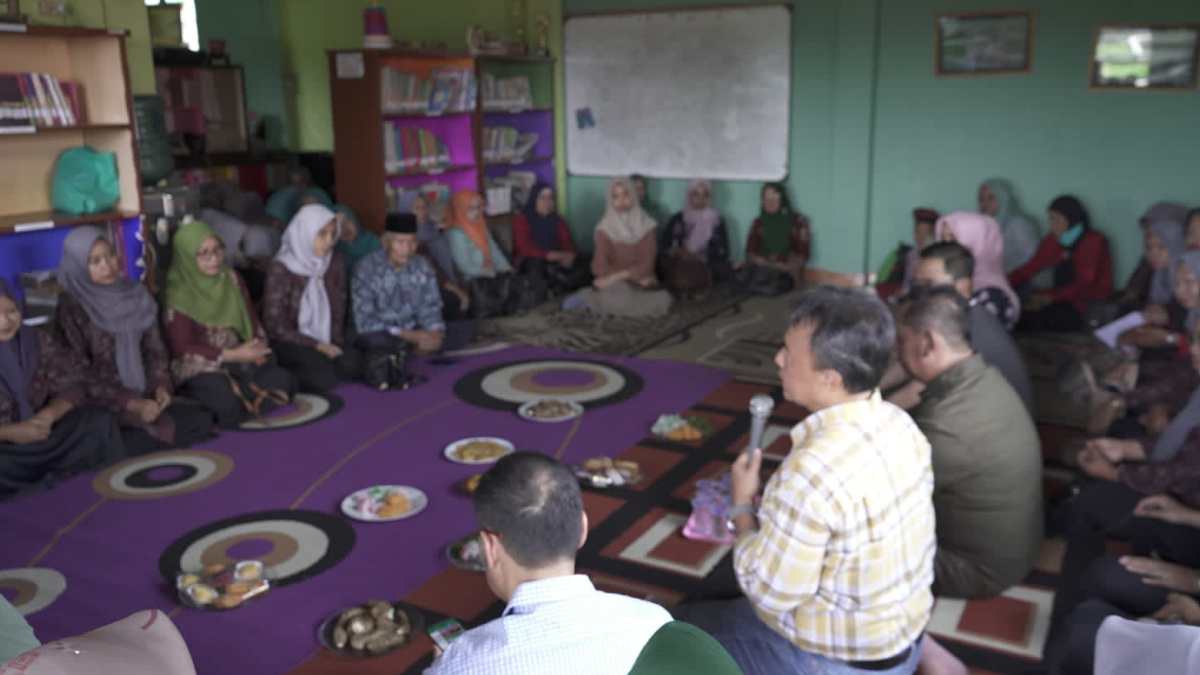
(699, 93)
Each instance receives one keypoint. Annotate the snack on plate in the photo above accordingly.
(392, 505)
(551, 408)
(677, 428)
(472, 483)
(223, 586)
(467, 553)
(480, 451)
(607, 472)
(371, 629)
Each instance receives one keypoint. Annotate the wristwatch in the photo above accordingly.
(734, 512)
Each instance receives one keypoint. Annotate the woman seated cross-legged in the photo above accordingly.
(304, 308)
(623, 262)
(780, 238)
(542, 243)
(43, 433)
(110, 323)
(220, 353)
(695, 244)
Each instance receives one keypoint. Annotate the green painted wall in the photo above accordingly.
(127, 15)
(310, 27)
(250, 29)
(875, 133)
(937, 138)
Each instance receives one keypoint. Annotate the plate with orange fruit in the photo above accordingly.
(384, 503)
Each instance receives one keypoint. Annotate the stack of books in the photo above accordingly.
(413, 150)
(448, 90)
(507, 144)
(29, 101)
(403, 93)
(506, 94)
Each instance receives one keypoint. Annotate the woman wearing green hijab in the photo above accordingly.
(780, 237)
(219, 351)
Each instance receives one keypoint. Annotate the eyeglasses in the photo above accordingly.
(214, 252)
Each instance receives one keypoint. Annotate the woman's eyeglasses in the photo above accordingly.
(214, 252)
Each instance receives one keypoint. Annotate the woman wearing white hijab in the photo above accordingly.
(623, 262)
(304, 306)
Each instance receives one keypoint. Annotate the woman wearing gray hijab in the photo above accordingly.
(997, 198)
(110, 323)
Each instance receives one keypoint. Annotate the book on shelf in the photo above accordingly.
(448, 90)
(506, 93)
(436, 194)
(519, 182)
(507, 144)
(16, 115)
(38, 100)
(413, 150)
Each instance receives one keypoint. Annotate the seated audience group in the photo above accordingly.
(916, 475)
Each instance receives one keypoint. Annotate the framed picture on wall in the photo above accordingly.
(984, 43)
(1145, 57)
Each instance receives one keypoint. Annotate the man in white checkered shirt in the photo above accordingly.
(531, 519)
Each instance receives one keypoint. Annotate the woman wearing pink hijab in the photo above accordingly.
(981, 236)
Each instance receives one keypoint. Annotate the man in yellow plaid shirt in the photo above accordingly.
(836, 562)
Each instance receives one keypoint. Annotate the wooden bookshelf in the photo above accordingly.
(358, 119)
(95, 59)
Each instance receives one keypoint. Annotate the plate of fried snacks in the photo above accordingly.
(373, 628)
(681, 428)
(550, 410)
(481, 450)
(467, 553)
(605, 472)
(222, 586)
(383, 503)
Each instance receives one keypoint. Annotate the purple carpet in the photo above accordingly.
(108, 548)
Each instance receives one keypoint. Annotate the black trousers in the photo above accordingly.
(316, 372)
(215, 391)
(1059, 317)
(193, 423)
(85, 438)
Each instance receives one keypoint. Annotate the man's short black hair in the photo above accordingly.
(853, 333)
(533, 503)
(941, 310)
(959, 262)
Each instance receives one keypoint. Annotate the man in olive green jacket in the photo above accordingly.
(987, 465)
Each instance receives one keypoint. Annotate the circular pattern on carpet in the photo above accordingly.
(304, 409)
(163, 474)
(32, 589)
(294, 545)
(590, 383)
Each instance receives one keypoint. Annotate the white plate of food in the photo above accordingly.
(549, 410)
(467, 553)
(384, 503)
(478, 450)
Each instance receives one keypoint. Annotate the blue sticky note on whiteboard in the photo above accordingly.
(584, 119)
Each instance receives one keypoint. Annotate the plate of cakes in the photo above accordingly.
(223, 586)
(384, 503)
